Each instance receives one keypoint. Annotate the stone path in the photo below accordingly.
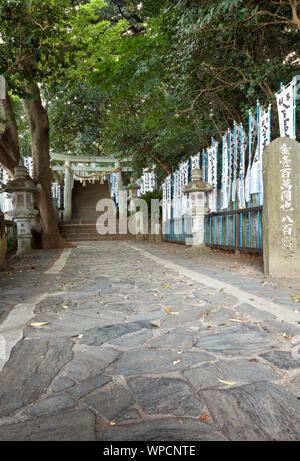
(129, 349)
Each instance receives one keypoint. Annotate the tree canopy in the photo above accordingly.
(152, 79)
(169, 75)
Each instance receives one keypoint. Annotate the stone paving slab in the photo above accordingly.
(145, 347)
(259, 411)
(164, 429)
(27, 375)
(282, 359)
(71, 425)
(236, 340)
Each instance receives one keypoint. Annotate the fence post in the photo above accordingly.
(3, 265)
(281, 217)
(196, 191)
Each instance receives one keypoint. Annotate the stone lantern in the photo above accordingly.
(132, 189)
(22, 189)
(132, 193)
(196, 191)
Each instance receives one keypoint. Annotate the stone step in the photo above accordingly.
(81, 230)
(82, 234)
(88, 237)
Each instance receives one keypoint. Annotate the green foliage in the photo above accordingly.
(151, 80)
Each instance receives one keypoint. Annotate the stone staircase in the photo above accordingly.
(77, 230)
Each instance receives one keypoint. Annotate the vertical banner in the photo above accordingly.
(243, 150)
(264, 135)
(225, 173)
(286, 104)
(164, 201)
(142, 185)
(168, 196)
(231, 158)
(212, 176)
(264, 129)
(195, 161)
(234, 162)
(251, 177)
(175, 194)
(147, 181)
(184, 179)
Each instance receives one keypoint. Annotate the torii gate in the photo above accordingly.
(95, 164)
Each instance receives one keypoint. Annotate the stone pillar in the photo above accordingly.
(68, 193)
(197, 208)
(122, 201)
(281, 217)
(24, 235)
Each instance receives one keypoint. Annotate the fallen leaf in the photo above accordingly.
(251, 299)
(112, 423)
(286, 336)
(204, 315)
(180, 420)
(229, 383)
(66, 307)
(169, 311)
(176, 361)
(209, 327)
(295, 297)
(180, 352)
(204, 418)
(38, 324)
(166, 286)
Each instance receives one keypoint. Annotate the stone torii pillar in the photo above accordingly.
(68, 192)
(122, 200)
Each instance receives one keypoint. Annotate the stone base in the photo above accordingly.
(201, 249)
(24, 245)
(158, 238)
(140, 237)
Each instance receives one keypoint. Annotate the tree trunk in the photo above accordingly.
(3, 265)
(9, 142)
(39, 128)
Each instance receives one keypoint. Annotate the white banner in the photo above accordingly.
(196, 161)
(286, 114)
(243, 151)
(184, 179)
(147, 181)
(264, 129)
(168, 197)
(175, 194)
(264, 140)
(225, 173)
(254, 174)
(252, 146)
(212, 176)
